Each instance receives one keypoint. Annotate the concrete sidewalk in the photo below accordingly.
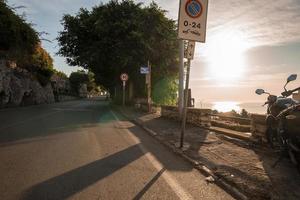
(240, 164)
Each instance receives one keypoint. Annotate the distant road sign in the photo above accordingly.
(124, 77)
(192, 20)
(144, 70)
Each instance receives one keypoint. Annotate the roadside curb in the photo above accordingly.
(235, 192)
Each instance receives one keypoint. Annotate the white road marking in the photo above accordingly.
(176, 187)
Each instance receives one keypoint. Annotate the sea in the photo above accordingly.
(226, 106)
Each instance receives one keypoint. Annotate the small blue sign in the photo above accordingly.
(144, 70)
(193, 8)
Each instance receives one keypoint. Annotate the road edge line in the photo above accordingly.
(202, 168)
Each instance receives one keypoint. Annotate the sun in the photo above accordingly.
(225, 55)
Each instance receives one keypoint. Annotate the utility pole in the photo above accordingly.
(184, 112)
(181, 78)
(148, 77)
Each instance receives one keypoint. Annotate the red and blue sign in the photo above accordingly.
(193, 8)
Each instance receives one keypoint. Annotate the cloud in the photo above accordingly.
(266, 22)
(263, 22)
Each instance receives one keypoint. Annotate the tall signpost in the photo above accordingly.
(181, 78)
(124, 77)
(147, 71)
(192, 27)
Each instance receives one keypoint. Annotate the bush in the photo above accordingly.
(17, 38)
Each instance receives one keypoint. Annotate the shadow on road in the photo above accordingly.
(72, 182)
(149, 184)
(28, 124)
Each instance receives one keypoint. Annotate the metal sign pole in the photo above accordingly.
(184, 113)
(149, 87)
(124, 84)
(192, 20)
(181, 78)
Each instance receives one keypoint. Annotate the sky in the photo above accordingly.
(250, 44)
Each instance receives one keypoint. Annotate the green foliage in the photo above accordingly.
(20, 42)
(82, 77)
(118, 37)
(165, 91)
(40, 64)
(60, 74)
(78, 78)
(91, 85)
(17, 38)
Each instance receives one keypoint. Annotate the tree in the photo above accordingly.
(17, 38)
(20, 42)
(78, 78)
(60, 74)
(234, 113)
(244, 113)
(120, 37)
(40, 64)
(165, 91)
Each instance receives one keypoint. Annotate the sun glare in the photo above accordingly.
(225, 55)
(226, 106)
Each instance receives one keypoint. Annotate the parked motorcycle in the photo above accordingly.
(283, 122)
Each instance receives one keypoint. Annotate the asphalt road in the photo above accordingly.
(85, 150)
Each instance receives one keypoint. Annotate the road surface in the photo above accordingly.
(85, 150)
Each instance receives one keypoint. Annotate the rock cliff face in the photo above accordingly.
(18, 88)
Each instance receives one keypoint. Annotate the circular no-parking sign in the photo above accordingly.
(124, 77)
(193, 8)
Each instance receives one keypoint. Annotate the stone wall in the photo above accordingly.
(198, 117)
(18, 87)
(259, 127)
(205, 118)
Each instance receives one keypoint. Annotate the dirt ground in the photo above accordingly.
(244, 165)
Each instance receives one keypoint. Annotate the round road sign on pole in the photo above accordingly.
(193, 8)
(124, 77)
